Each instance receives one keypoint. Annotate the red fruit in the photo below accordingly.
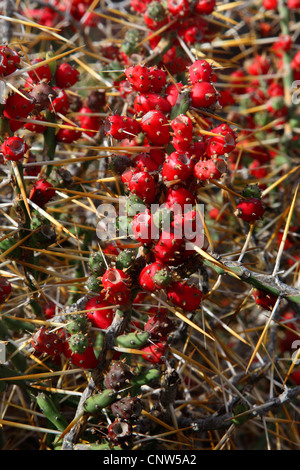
(213, 168)
(155, 126)
(66, 75)
(49, 310)
(181, 144)
(86, 360)
(138, 76)
(47, 342)
(99, 312)
(127, 175)
(205, 7)
(203, 95)
(42, 192)
(36, 128)
(264, 299)
(143, 185)
(3, 63)
(226, 98)
(159, 326)
(40, 73)
(68, 135)
(115, 281)
(18, 106)
(121, 127)
(61, 103)
(184, 296)
(238, 84)
(158, 155)
(250, 210)
(143, 227)
(293, 4)
(199, 71)
(257, 170)
(173, 93)
(144, 162)
(154, 353)
(196, 151)
(158, 78)
(120, 298)
(139, 5)
(259, 66)
(270, 4)
(222, 144)
(182, 126)
(14, 148)
(31, 170)
(179, 8)
(215, 214)
(155, 16)
(148, 101)
(177, 166)
(87, 122)
(295, 377)
(168, 249)
(179, 195)
(13, 59)
(5, 289)
(146, 278)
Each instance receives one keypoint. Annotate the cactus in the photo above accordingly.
(96, 403)
(51, 412)
(132, 340)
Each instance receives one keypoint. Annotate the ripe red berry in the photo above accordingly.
(5, 289)
(47, 342)
(149, 101)
(155, 126)
(138, 76)
(61, 103)
(42, 192)
(182, 126)
(66, 75)
(68, 135)
(222, 144)
(250, 210)
(205, 7)
(49, 309)
(199, 71)
(158, 78)
(14, 148)
(18, 105)
(154, 276)
(87, 121)
(13, 59)
(3, 63)
(264, 299)
(143, 185)
(99, 312)
(168, 249)
(184, 296)
(180, 8)
(203, 95)
(154, 353)
(178, 195)
(115, 281)
(121, 127)
(143, 227)
(213, 168)
(85, 360)
(177, 167)
(40, 73)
